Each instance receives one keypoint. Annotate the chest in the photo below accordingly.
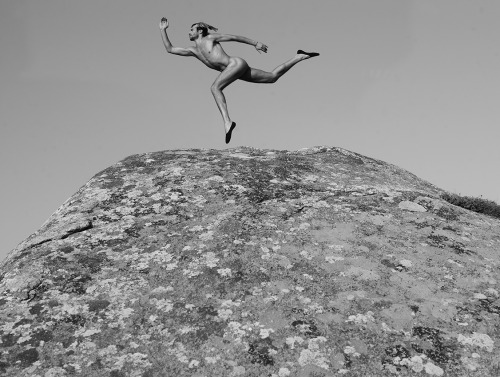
(208, 48)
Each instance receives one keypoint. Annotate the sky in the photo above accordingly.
(84, 84)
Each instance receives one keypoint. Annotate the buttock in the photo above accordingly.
(237, 61)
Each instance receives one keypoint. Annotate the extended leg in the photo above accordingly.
(258, 76)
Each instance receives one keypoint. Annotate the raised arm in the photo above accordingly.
(236, 38)
(168, 45)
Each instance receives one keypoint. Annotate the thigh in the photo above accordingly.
(257, 76)
(235, 70)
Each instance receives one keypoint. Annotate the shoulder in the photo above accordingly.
(213, 37)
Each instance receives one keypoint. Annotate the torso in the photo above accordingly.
(211, 54)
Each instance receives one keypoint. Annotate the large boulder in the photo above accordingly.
(248, 262)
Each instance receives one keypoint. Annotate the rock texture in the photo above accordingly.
(246, 262)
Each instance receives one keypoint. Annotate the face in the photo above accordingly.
(193, 33)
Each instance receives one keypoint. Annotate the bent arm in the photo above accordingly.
(228, 37)
(234, 38)
(174, 50)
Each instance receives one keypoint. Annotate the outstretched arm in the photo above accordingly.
(168, 45)
(236, 38)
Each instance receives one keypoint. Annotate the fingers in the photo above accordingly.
(261, 47)
(164, 23)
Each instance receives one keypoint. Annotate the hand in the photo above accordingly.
(163, 24)
(261, 47)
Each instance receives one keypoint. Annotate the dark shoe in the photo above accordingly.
(228, 133)
(310, 54)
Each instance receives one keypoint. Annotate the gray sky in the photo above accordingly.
(84, 84)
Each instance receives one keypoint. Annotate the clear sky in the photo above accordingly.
(83, 84)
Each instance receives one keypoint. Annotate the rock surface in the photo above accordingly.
(247, 262)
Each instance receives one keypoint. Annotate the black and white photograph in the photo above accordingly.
(227, 188)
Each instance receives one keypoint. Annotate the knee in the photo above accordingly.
(215, 89)
(275, 77)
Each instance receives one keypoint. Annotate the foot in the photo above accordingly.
(228, 133)
(308, 54)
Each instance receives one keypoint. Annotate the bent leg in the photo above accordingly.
(236, 68)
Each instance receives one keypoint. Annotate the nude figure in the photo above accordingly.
(208, 50)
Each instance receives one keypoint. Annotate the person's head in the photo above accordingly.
(200, 28)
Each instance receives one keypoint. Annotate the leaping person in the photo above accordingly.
(207, 48)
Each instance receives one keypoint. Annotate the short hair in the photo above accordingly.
(204, 27)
